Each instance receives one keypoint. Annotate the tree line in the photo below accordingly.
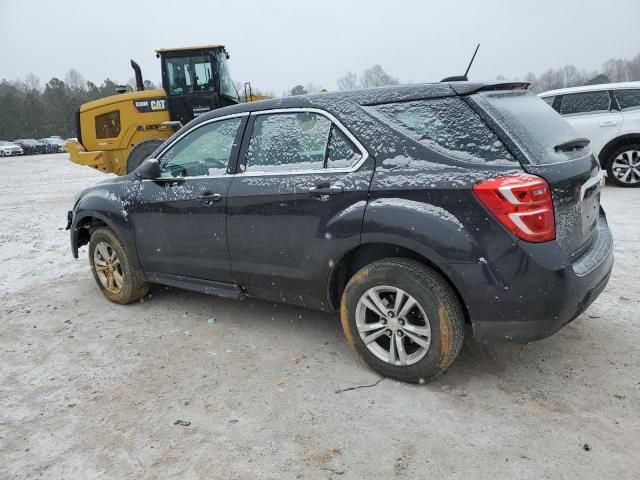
(30, 110)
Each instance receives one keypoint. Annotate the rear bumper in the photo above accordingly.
(534, 290)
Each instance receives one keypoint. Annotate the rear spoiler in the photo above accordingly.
(467, 88)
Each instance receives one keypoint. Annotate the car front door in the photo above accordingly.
(592, 114)
(296, 204)
(180, 218)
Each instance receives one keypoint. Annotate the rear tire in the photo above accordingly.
(422, 329)
(112, 268)
(623, 165)
(141, 152)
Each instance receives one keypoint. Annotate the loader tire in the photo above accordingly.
(141, 152)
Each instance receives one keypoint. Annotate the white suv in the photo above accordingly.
(609, 115)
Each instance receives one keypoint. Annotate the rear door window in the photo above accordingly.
(448, 126)
(628, 98)
(586, 102)
(297, 142)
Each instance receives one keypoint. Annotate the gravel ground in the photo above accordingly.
(89, 389)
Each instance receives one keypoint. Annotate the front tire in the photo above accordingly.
(112, 268)
(623, 166)
(403, 319)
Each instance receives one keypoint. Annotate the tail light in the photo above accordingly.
(522, 203)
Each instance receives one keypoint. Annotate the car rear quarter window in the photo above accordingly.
(448, 126)
(628, 98)
(549, 100)
(586, 102)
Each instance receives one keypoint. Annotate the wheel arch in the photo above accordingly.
(606, 151)
(366, 253)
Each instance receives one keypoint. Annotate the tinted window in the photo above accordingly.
(288, 142)
(628, 98)
(449, 126)
(203, 151)
(108, 125)
(341, 152)
(585, 102)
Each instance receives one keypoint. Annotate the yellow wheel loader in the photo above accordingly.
(116, 133)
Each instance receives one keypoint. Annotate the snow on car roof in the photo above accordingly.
(590, 88)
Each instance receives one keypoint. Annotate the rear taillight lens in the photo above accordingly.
(522, 203)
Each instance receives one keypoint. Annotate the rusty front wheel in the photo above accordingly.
(112, 268)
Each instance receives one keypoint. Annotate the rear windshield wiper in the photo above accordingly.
(572, 145)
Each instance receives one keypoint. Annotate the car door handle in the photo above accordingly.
(326, 190)
(207, 198)
(608, 123)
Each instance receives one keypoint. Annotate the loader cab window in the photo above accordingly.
(226, 82)
(108, 125)
(189, 74)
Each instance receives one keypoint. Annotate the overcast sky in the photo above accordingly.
(277, 45)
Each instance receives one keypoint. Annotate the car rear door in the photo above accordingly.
(296, 204)
(594, 115)
(180, 218)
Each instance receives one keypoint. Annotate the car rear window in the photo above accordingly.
(534, 126)
(446, 125)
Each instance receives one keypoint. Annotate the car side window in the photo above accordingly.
(288, 142)
(204, 151)
(341, 153)
(628, 98)
(549, 100)
(446, 125)
(586, 102)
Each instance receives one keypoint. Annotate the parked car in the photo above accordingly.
(31, 146)
(609, 115)
(410, 210)
(8, 149)
(55, 144)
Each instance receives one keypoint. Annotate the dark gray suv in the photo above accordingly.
(410, 210)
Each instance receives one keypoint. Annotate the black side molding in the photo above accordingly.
(227, 290)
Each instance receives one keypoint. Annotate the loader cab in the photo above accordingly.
(196, 80)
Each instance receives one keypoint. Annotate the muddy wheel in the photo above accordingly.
(112, 268)
(403, 319)
(141, 152)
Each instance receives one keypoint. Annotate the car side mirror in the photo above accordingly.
(148, 170)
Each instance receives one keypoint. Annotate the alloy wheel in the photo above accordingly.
(108, 267)
(393, 325)
(626, 167)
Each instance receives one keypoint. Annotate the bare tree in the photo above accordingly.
(75, 80)
(348, 82)
(616, 69)
(377, 77)
(32, 82)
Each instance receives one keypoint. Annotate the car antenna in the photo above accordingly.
(463, 78)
